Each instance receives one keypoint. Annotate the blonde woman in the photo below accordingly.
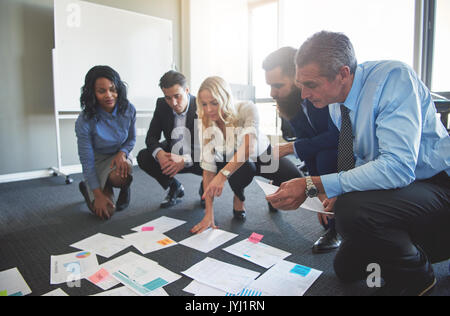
(233, 149)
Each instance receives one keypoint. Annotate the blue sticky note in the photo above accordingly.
(155, 284)
(301, 270)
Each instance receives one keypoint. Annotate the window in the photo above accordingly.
(441, 62)
(264, 40)
(382, 29)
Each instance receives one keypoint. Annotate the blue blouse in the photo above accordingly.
(107, 134)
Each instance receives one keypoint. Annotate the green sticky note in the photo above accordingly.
(4, 293)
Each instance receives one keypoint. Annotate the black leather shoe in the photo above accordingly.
(423, 288)
(329, 241)
(200, 192)
(239, 215)
(176, 192)
(418, 280)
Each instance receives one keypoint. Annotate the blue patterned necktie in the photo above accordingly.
(346, 157)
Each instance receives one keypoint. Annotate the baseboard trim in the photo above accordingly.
(22, 176)
(50, 172)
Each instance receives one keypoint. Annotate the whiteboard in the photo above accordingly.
(139, 47)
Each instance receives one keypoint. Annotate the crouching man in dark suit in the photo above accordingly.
(174, 116)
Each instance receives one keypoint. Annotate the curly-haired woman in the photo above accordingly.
(106, 136)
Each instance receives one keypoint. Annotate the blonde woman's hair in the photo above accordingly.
(220, 90)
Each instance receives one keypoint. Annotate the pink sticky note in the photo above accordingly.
(255, 238)
(148, 229)
(99, 276)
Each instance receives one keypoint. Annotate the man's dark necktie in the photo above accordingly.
(346, 158)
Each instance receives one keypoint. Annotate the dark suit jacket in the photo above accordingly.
(322, 136)
(163, 122)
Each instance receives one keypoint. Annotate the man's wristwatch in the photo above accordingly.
(311, 190)
(226, 173)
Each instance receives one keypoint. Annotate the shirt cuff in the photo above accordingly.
(188, 161)
(126, 151)
(208, 167)
(295, 152)
(331, 185)
(155, 153)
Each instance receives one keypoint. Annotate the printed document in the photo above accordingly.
(72, 267)
(258, 253)
(103, 245)
(310, 204)
(208, 240)
(221, 275)
(143, 276)
(102, 276)
(12, 283)
(286, 279)
(149, 241)
(162, 224)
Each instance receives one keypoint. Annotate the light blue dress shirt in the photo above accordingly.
(398, 136)
(107, 134)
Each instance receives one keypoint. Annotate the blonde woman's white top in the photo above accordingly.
(220, 150)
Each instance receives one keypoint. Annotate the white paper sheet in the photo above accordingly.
(143, 276)
(72, 267)
(310, 204)
(286, 279)
(221, 275)
(12, 283)
(258, 253)
(162, 224)
(200, 289)
(124, 291)
(208, 240)
(57, 292)
(111, 267)
(120, 291)
(147, 242)
(103, 245)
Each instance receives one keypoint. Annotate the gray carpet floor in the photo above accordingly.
(40, 218)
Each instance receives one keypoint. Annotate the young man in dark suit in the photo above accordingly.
(317, 137)
(175, 117)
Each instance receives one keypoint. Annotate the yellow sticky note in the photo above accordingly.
(4, 293)
(165, 242)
